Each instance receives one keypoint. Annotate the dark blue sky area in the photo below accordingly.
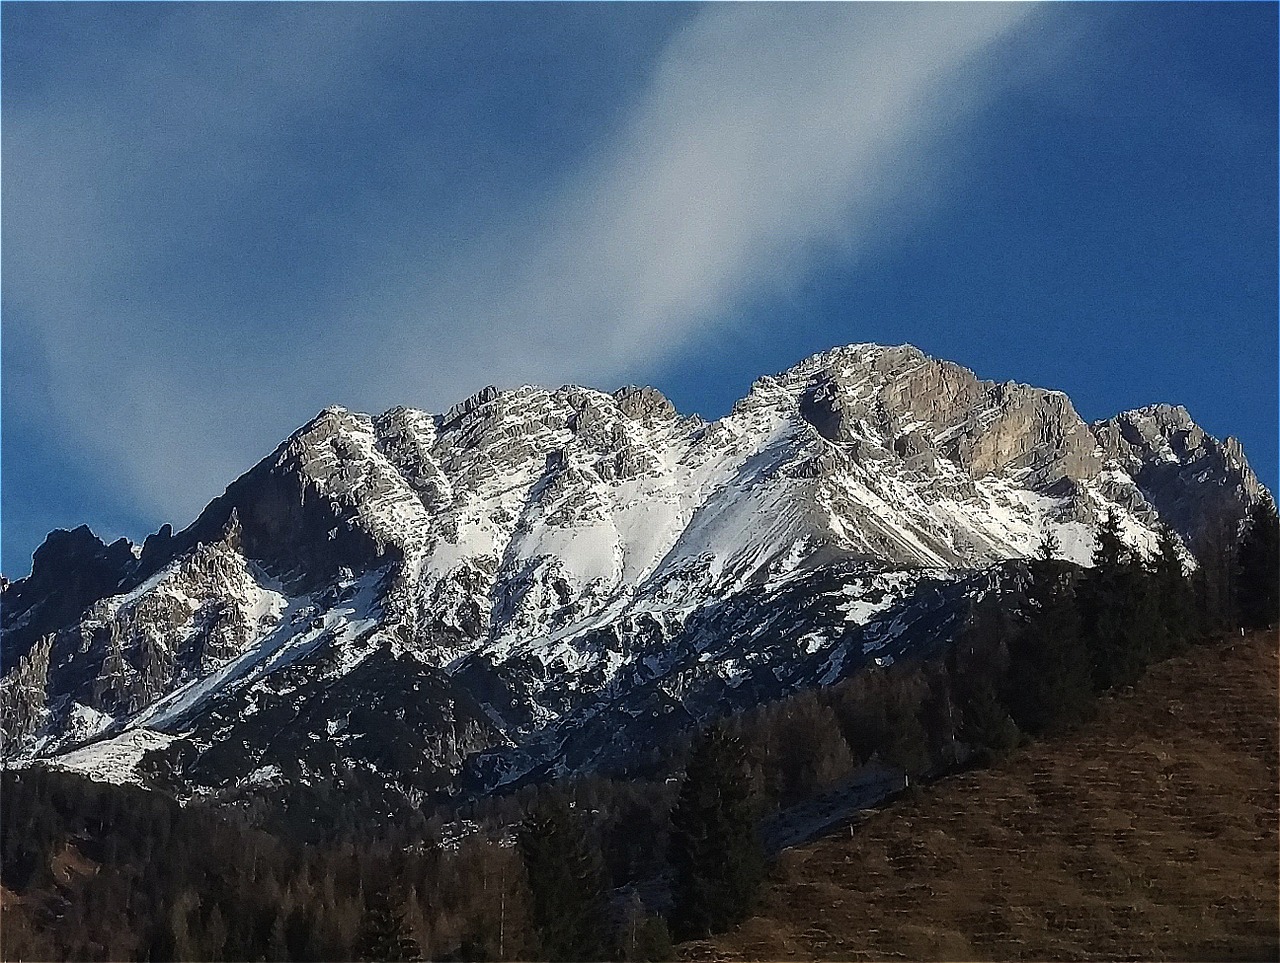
(1111, 234)
(220, 218)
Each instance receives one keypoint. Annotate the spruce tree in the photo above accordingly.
(1258, 567)
(715, 850)
(382, 934)
(1215, 578)
(1118, 610)
(981, 652)
(1049, 680)
(566, 882)
(905, 744)
(1173, 592)
(1112, 551)
(985, 722)
(976, 666)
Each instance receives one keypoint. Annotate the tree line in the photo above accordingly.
(608, 867)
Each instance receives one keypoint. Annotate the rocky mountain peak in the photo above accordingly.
(882, 402)
(569, 573)
(468, 405)
(1196, 483)
(70, 570)
(644, 404)
(77, 547)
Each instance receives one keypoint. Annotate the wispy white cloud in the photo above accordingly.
(767, 139)
(101, 184)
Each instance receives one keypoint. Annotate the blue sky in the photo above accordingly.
(219, 218)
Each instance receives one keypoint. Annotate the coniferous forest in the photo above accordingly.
(607, 867)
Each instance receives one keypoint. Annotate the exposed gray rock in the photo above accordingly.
(468, 405)
(24, 696)
(1189, 478)
(565, 574)
(897, 401)
(644, 404)
(821, 406)
(70, 571)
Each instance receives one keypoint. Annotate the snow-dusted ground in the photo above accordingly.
(114, 759)
(295, 636)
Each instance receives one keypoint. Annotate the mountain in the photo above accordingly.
(538, 582)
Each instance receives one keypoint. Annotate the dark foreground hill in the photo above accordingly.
(1148, 834)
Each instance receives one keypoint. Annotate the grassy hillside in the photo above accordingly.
(1151, 833)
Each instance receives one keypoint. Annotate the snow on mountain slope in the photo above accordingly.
(114, 759)
(565, 574)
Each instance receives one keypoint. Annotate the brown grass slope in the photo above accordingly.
(1148, 834)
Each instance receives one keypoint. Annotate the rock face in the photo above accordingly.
(69, 572)
(1190, 478)
(897, 402)
(543, 581)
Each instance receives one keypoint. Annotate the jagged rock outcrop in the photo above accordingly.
(69, 572)
(540, 580)
(24, 696)
(898, 402)
(1191, 480)
(644, 404)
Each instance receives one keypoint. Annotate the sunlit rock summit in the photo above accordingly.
(542, 581)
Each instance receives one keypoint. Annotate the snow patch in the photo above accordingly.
(116, 759)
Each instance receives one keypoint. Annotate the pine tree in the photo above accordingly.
(1049, 683)
(382, 934)
(1173, 592)
(884, 721)
(1049, 547)
(976, 667)
(644, 936)
(1214, 581)
(1258, 567)
(809, 750)
(985, 722)
(1112, 551)
(715, 849)
(906, 743)
(1118, 610)
(981, 652)
(566, 882)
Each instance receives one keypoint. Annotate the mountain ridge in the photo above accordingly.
(547, 562)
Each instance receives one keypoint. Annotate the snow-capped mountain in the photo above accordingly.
(539, 581)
